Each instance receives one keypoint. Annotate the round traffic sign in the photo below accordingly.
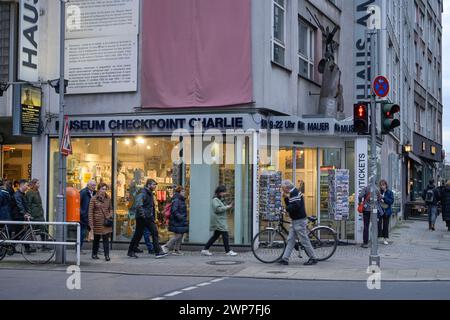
(381, 86)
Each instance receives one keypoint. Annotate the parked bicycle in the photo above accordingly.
(34, 253)
(269, 245)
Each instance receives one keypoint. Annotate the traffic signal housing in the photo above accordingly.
(361, 118)
(388, 121)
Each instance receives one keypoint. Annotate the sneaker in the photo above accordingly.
(177, 253)
(385, 242)
(231, 253)
(283, 262)
(165, 249)
(206, 253)
(132, 254)
(365, 246)
(161, 255)
(310, 262)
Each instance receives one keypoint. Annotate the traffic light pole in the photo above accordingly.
(60, 213)
(374, 258)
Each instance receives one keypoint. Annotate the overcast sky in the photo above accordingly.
(446, 75)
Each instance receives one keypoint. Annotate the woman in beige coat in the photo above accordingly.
(100, 220)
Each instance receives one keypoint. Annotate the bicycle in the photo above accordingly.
(33, 253)
(269, 245)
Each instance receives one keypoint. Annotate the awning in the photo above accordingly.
(412, 156)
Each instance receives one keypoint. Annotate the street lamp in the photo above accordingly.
(408, 148)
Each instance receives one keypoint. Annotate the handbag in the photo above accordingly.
(363, 204)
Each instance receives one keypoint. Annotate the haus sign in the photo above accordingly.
(29, 40)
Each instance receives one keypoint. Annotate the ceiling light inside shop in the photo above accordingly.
(127, 142)
(148, 147)
(140, 140)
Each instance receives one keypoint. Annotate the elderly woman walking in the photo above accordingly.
(100, 220)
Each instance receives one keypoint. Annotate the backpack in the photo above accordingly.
(429, 196)
(167, 211)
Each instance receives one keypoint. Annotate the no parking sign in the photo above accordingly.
(381, 86)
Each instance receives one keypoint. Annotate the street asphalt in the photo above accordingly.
(51, 285)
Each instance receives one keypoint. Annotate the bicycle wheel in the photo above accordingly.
(3, 246)
(38, 253)
(324, 241)
(268, 246)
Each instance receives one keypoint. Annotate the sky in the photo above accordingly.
(446, 76)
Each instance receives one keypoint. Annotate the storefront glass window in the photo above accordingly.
(136, 160)
(91, 159)
(306, 177)
(16, 160)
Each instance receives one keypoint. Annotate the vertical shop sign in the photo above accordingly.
(361, 181)
(28, 40)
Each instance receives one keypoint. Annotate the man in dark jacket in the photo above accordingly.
(431, 197)
(5, 204)
(85, 198)
(295, 206)
(145, 217)
(21, 210)
(445, 202)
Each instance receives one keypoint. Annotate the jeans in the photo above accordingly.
(366, 218)
(175, 242)
(215, 236)
(141, 224)
(383, 226)
(83, 233)
(432, 214)
(148, 243)
(299, 228)
(96, 244)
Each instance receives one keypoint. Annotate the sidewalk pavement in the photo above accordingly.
(414, 254)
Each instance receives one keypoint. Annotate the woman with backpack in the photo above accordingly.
(178, 221)
(219, 222)
(431, 197)
(445, 202)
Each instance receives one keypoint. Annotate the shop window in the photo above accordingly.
(16, 162)
(136, 160)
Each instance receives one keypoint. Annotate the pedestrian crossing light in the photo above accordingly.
(388, 121)
(361, 118)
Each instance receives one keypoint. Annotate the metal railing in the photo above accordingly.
(77, 243)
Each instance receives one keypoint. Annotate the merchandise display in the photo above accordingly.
(339, 194)
(270, 204)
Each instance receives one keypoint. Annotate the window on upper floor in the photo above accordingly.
(306, 45)
(4, 41)
(279, 32)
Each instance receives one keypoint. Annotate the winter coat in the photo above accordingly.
(85, 199)
(219, 221)
(178, 222)
(389, 200)
(145, 205)
(436, 194)
(99, 209)
(35, 204)
(20, 206)
(5, 205)
(445, 201)
(295, 205)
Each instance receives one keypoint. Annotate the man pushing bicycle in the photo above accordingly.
(295, 206)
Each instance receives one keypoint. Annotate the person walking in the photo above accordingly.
(364, 197)
(178, 222)
(445, 203)
(385, 202)
(100, 220)
(295, 206)
(145, 217)
(20, 209)
(431, 197)
(86, 195)
(219, 222)
(34, 200)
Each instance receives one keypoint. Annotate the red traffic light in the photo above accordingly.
(361, 118)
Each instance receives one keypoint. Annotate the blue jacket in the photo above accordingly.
(178, 222)
(5, 205)
(85, 199)
(389, 200)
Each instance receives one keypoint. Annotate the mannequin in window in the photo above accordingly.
(121, 180)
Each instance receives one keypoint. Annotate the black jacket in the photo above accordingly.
(145, 206)
(445, 201)
(5, 205)
(178, 222)
(436, 194)
(20, 206)
(85, 199)
(295, 205)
